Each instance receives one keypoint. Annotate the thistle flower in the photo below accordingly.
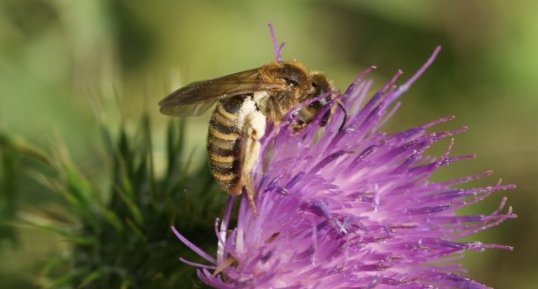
(350, 206)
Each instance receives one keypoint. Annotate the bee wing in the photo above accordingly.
(193, 109)
(197, 97)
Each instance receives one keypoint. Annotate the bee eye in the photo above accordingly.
(291, 82)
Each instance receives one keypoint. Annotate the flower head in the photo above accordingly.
(347, 205)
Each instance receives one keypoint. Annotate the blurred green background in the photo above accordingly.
(59, 57)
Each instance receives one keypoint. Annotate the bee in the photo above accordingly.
(247, 102)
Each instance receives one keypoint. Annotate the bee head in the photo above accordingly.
(294, 84)
(320, 83)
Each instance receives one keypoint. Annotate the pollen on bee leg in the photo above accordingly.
(250, 195)
(253, 131)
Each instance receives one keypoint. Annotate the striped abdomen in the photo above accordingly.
(223, 144)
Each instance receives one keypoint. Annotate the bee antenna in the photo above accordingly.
(277, 47)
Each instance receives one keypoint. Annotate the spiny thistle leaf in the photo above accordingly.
(12, 162)
(120, 238)
(8, 187)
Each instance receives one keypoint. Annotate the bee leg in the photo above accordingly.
(298, 125)
(253, 130)
(324, 119)
(344, 121)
